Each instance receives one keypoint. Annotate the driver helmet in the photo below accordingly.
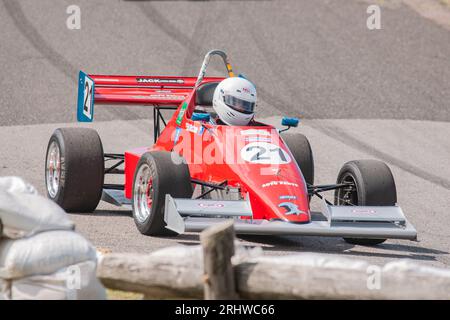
(234, 101)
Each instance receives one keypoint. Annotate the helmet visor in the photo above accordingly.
(239, 104)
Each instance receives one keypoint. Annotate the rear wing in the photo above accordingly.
(138, 90)
(141, 90)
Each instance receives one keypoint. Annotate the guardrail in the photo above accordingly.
(219, 270)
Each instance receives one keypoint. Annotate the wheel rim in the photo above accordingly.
(348, 196)
(143, 193)
(53, 169)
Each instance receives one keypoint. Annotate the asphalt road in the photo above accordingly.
(381, 94)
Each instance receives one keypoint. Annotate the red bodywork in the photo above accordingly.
(266, 185)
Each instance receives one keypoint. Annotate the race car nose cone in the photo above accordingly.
(292, 213)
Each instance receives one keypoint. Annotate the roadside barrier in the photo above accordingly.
(41, 256)
(220, 270)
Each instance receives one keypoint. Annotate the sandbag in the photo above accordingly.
(5, 292)
(16, 184)
(43, 253)
(76, 282)
(24, 214)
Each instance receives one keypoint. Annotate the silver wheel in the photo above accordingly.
(143, 193)
(53, 169)
(156, 176)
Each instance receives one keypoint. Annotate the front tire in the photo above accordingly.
(74, 169)
(157, 175)
(374, 186)
(300, 148)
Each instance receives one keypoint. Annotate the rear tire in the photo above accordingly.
(375, 186)
(157, 175)
(300, 148)
(74, 170)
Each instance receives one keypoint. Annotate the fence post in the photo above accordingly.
(218, 248)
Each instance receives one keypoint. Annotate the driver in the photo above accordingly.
(234, 101)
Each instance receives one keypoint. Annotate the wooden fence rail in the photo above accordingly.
(207, 272)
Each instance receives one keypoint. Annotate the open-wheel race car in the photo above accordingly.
(198, 173)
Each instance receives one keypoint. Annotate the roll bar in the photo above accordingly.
(202, 72)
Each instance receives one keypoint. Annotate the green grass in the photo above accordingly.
(123, 295)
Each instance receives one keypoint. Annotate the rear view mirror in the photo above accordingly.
(289, 122)
(200, 117)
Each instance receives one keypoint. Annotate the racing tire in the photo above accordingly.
(375, 186)
(74, 169)
(300, 148)
(155, 176)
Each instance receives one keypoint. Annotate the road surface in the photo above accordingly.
(380, 94)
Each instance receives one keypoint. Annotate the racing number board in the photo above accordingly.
(85, 106)
(264, 153)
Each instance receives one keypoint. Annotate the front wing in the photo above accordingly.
(186, 215)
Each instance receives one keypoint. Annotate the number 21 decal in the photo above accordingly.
(264, 153)
(87, 105)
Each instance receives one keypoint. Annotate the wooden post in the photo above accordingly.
(218, 248)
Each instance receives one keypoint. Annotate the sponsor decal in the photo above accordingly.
(255, 132)
(160, 97)
(264, 153)
(363, 211)
(177, 135)
(291, 208)
(166, 97)
(191, 127)
(211, 205)
(181, 114)
(195, 128)
(288, 198)
(279, 183)
(153, 80)
(257, 138)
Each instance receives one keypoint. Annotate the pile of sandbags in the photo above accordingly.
(41, 256)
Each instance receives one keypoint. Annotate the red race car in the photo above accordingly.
(198, 173)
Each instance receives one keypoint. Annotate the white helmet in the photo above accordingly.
(234, 101)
